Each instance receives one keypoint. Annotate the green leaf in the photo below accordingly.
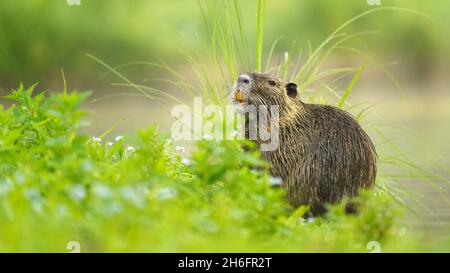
(351, 85)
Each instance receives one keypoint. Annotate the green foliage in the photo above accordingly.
(156, 30)
(229, 174)
(136, 193)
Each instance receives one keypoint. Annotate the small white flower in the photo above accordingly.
(133, 195)
(311, 219)
(275, 181)
(5, 188)
(118, 138)
(166, 193)
(102, 191)
(180, 149)
(207, 137)
(131, 148)
(97, 139)
(78, 192)
(234, 133)
(110, 143)
(185, 161)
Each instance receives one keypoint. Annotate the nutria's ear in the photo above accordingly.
(291, 89)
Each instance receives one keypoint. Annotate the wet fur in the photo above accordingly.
(324, 155)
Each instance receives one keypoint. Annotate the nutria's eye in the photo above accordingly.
(271, 82)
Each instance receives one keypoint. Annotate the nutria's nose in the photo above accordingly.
(244, 79)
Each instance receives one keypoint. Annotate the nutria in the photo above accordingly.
(323, 154)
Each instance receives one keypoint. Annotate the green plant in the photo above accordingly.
(135, 193)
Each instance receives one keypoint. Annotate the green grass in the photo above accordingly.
(136, 193)
(230, 53)
(259, 32)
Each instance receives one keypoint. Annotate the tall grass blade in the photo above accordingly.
(259, 32)
(350, 87)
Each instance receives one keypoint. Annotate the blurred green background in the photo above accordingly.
(39, 38)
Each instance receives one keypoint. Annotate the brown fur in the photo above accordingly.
(323, 156)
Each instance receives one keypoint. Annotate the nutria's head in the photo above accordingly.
(263, 89)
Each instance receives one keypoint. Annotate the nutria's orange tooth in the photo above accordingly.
(239, 95)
